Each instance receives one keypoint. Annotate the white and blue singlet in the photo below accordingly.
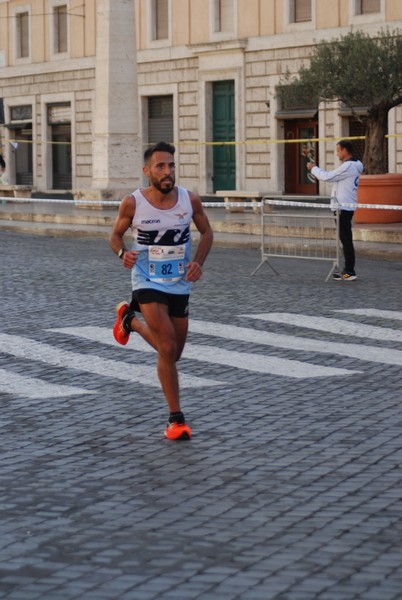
(162, 238)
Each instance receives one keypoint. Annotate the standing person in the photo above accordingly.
(2, 169)
(344, 192)
(162, 270)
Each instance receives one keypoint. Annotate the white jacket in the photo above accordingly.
(345, 181)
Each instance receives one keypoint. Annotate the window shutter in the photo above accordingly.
(302, 10)
(160, 119)
(61, 28)
(161, 20)
(23, 34)
(224, 13)
(59, 113)
(370, 6)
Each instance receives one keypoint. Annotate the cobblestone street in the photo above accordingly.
(291, 486)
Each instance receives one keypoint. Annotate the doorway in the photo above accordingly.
(160, 119)
(223, 130)
(22, 147)
(59, 122)
(61, 157)
(298, 179)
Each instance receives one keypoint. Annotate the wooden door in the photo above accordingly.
(223, 129)
(298, 179)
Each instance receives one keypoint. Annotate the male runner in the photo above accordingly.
(162, 270)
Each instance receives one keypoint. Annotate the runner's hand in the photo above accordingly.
(194, 271)
(130, 258)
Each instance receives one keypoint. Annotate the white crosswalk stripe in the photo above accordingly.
(31, 387)
(242, 358)
(25, 348)
(374, 312)
(219, 356)
(292, 342)
(338, 326)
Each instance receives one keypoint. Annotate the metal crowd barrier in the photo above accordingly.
(299, 229)
(293, 231)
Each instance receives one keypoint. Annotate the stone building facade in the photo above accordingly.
(105, 78)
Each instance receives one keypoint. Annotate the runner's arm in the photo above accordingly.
(202, 224)
(121, 225)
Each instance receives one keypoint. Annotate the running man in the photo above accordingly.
(162, 270)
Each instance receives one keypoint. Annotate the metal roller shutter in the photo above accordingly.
(160, 119)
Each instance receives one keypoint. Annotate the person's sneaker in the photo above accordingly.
(120, 333)
(177, 431)
(344, 276)
(349, 275)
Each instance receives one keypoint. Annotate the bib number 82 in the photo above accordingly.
(167, 269)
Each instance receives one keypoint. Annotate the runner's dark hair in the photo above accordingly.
(159, 147)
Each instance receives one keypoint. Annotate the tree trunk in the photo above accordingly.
(374, 150)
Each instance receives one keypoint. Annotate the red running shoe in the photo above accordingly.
(178, 431)
(120, 334)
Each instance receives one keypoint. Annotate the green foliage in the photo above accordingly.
(359, 71)
(355, 69)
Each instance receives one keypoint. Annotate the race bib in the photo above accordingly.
(166, 263)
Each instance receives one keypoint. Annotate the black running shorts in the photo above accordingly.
(176, 303)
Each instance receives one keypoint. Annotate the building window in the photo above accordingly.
(60, 29)
(160, 19)
(223, 16)
(300, 11)
(21, 113)
(59, 122)
(366, 7)
(20, 127)
(160, 119)
(22, 34)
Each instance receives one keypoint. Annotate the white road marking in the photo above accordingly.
(374, 312)
(219, 356)
(31, 387)
(267, 338)
(25, 348)
(328, 325)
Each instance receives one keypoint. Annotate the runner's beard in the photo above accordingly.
(165, 186)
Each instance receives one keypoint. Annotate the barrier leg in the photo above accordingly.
(264, 260)
(333, 268)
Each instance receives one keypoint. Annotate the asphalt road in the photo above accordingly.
(291, 486)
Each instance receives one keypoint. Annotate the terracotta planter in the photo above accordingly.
(379, 189)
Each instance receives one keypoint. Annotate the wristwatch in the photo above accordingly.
(121, 252)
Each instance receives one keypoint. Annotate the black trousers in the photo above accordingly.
(346, 237)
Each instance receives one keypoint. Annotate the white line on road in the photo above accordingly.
(267, 338)
(219, 356)
(373, 312)
(25, 348)
(333, 326)
(31, 387)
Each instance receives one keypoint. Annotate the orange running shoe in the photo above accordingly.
(178, 431)
(120, 334)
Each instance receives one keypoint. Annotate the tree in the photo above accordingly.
(359, 71)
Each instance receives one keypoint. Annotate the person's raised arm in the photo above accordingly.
(342, 172)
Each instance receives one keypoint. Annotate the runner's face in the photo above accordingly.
(160, 171)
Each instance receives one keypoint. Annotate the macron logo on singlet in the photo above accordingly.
(150, 221)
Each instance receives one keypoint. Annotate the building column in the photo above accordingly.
(117, 150)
